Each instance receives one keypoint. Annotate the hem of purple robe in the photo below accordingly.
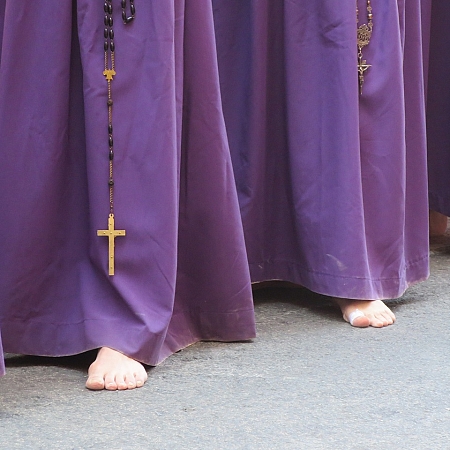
(358, 288)
(135, 341)
(440, 203)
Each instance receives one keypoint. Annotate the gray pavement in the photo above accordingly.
(309, 381)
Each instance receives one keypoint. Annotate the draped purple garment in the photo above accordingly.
(181, 271)
(332, 186)
(438, 108)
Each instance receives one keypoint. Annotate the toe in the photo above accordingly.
(110, 382)
(389, 318)
(95, 382)
(376, 323)
(140, 381)
(361, 322)
(130, 380)
(384, 319)
(121, 383)
(141, 378)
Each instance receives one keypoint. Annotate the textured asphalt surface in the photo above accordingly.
(309, 381)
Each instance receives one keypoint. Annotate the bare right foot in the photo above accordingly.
(438, 223)
(114, 371)
(365, 313)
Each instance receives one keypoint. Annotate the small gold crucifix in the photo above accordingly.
(109, 74)
(362, 68)
(111, 233)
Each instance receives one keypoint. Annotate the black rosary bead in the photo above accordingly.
(109, 72)
(125, 17)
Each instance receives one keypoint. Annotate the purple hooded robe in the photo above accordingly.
(332, 185)
(181, 270)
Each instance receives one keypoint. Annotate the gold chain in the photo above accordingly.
(364, 33)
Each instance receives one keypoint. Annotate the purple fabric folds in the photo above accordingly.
(438, 108)
(181, 271)
(332, 187)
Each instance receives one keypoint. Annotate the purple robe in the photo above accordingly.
(438, 108)
(181, 270)
(332, 186)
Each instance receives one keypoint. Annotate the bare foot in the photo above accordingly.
(365, 313)
(114, 371)
(438, 223)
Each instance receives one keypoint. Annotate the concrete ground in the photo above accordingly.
(309, 381)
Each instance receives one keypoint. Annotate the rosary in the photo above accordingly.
(109, 73)
(364, 33)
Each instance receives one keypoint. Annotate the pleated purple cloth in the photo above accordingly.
(438, 108)
(332, 186)
(181, 270)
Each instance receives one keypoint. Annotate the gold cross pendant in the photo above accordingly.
(111, 233)
(362, 68)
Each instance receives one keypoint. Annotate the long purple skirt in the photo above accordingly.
(332, 186)
(438, 107)
(181, 270)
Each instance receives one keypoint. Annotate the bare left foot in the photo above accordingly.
(365, 313)
(114, 371)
